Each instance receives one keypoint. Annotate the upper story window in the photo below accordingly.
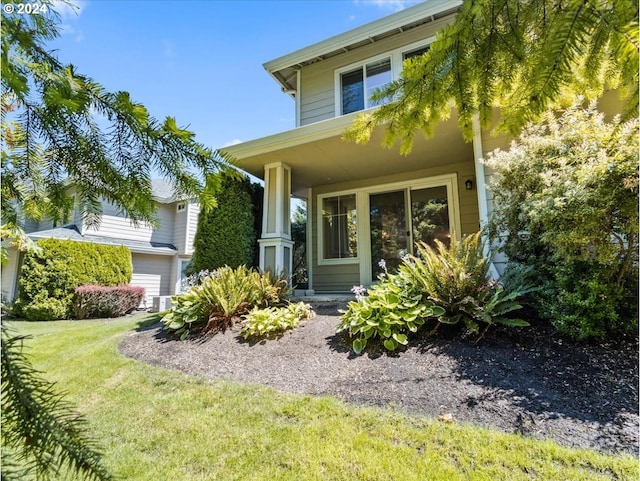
(356, 83)
(181, 206)
(415, 53)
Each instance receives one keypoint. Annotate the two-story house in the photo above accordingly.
(159, 254)
(364, 203)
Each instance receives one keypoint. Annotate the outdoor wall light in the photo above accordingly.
(468, 184)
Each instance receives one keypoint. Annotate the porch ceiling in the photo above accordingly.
(332, 160)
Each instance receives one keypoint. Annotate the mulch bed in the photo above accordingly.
(526, 381)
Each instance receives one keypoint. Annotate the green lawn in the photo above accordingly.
(158, 424)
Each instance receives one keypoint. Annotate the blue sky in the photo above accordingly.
(201, 61)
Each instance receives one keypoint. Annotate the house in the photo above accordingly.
(364, 203)
(159, 254)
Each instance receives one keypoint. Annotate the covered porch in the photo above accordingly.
(364, 202)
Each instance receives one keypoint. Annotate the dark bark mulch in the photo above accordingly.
(526, 380)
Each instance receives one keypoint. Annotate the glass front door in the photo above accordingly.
(393, 232)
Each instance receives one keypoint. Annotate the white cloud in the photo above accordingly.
(69, 11)
(67, 29)
(233, 142)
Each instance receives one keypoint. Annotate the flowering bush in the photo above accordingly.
(566, 204)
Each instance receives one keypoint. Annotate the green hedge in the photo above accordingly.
(227, 234)
(48, 279)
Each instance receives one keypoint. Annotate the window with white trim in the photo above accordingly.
(356, 83)
(181, 206)
(339, 231)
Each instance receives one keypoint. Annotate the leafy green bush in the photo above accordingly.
(226, 234)
(221, 298)
(446, 284)
(566, 204)
(91, 301)
(268, 321)
(49, 277)
(456, 278)
(392, 309)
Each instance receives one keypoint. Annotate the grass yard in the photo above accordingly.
(157, 424)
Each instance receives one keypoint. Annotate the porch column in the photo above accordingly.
(481, 187)
(276, 246)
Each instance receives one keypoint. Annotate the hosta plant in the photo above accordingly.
(269, 321)
(187, 312)
(392, 309)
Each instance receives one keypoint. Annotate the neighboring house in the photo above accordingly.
(364, 203)
(159, 255)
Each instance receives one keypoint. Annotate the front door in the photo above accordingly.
(393, 233)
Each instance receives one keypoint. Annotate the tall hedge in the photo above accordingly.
(227, 234)
(49, 278)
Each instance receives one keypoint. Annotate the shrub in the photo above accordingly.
(268, 321)
(92, 301)
(446, 284)
(392, 309)
(226, 234)
(566, 204)
(220, 299)
(50, 276)
(456, 278)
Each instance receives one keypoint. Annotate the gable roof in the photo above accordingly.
(283, 69)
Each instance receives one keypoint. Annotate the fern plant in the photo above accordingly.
(222, 298)
(456, 278)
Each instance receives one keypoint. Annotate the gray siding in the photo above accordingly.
(116, 225)
(192, 226)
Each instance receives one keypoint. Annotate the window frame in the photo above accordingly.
(396, 60)
(322, 261)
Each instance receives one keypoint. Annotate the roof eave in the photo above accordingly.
(372, 29)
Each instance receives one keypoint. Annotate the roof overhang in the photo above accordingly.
(71, 232)
(318, 155)
(283, 69)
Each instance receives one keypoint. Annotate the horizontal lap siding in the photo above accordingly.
(115, 225)
(180, 230)
(336, 278)
(192, 226)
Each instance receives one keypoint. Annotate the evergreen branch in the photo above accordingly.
(40, 430)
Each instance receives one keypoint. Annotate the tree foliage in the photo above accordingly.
(61, 127)
(226, 234)
(522, 57)
(42, 436)
(300, 274)
(566, 203)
